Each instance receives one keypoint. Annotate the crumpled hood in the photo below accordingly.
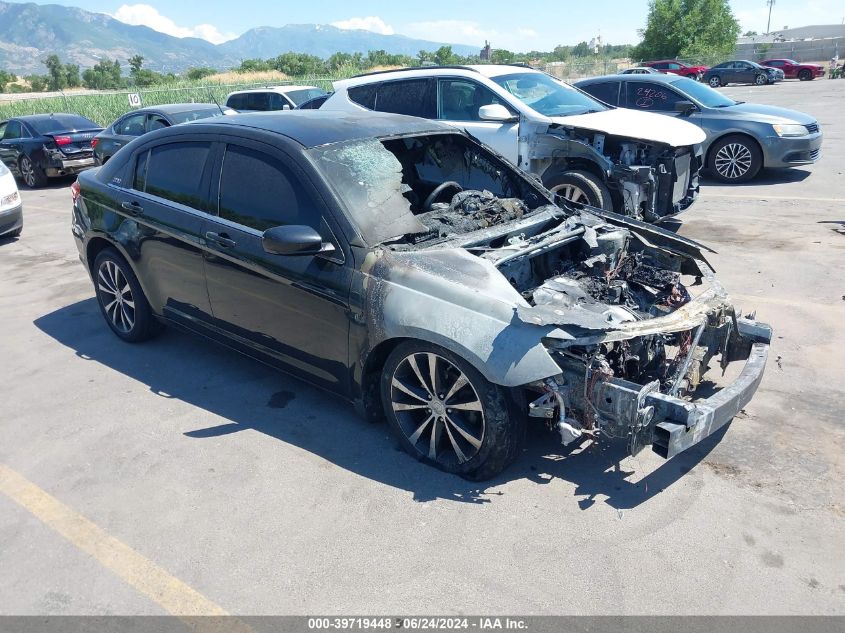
(767, 113)
(646, 126)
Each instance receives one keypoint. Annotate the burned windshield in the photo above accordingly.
(419, 187)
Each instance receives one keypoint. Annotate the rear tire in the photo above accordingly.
(461, 424)
(32, 174)
(121, 299)
(581, 186)
(735, 159)
(12, 235)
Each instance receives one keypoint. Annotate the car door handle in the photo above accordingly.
(220, 239)
(133, 207)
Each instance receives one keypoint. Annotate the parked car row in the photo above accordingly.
(765, 72)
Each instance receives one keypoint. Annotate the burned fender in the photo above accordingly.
(450, 298)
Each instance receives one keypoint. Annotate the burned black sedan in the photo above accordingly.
(404, 266)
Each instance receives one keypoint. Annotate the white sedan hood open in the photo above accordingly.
(646, 126)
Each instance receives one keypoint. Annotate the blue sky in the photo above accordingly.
(505, 23)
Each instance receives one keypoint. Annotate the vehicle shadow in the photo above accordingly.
(60, 182)
(765, 177)
(185, 367)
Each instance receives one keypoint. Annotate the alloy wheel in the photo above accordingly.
(761, 80)
(733, 161)
(715, 82)
(28, 171)
(437, 408)
(573, 193)
(116, 296)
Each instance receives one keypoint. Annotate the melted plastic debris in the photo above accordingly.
(470, 211)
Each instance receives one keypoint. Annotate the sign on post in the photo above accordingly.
(134, 100)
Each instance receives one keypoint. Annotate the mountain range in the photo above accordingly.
(29, 32)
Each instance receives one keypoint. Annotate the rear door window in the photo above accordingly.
(259, 101)
(174, 172)
(13, 131)
(133, 125)
(413, 97)
(237, 102)
(608, 91)
(280, 200)
(364, 96)
(652, 97)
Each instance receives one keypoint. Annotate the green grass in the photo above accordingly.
(105, 107)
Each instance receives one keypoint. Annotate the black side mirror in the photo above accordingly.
(293, 240)
(685, 107)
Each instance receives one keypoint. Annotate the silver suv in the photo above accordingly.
(635, 163)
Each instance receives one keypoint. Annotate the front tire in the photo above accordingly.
(761, 80)
(582, 187)
(445, 413)
(32, 174)
(121, 299)
(715, 81)
(805, 75)
(735, 159)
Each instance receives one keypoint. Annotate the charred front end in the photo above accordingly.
(640, 329)
(647, 180)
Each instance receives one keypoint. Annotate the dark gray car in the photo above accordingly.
(138, 122)
(742, 138)
(741, 71)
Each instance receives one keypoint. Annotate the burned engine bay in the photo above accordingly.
(625, 310)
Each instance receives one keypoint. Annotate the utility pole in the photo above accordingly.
(771, 3)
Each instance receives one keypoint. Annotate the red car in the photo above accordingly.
(795, 70)
(674, 67)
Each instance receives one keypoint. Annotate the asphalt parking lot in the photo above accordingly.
(179, 477)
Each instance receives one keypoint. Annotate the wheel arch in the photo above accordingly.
(97, 243)
(371, 375)
(709, 155)
(577, 163)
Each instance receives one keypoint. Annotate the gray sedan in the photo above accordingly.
(742, 138)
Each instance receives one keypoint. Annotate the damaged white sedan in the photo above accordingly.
(636, 163)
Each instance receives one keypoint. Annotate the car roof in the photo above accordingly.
(486, 70)
(659, 78)
(34, 118)
(281, 89)
(174, 108)
(313, 128)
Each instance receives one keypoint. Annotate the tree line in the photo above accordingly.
(108, 74)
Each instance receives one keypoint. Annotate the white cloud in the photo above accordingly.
(469, 32)
(453, 31)
(146, 15)
(370, 23)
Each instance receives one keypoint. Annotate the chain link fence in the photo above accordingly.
(104, 107)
